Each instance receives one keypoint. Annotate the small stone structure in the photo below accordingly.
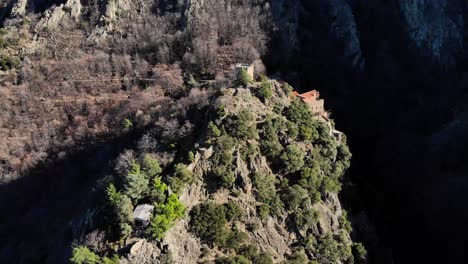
(142, 215)
(249, 68)
(312, 99)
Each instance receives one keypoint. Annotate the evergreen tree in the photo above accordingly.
(292, 158)
(157, 191)
(136, 185)
(243, 78)
(82, 255)
(265, 91)
(122, 210)
(151, 166)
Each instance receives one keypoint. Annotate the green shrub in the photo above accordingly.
(327, 251)
(164, 216)
(359, 253)
(182, 176)
(7, 62)
(292, 158)
(136, 182)
(262, 258)
(191, 156)
(298, 257)
(159, 225)
(271, 148)
(3, 43)
(249, 151)
(248, 251)
(243, 78)
(213, 130)
(288, 88)
(127, 123)
(265, 192)
(122, 210)
(263, 211)
(294, 196)
(262, 78)
(270, 145)
(305, 219)
(151, 166)
(242, 126)
(265, 91)
(208, 221)
(110, 260)
(345, 224)
(233, 211)
(264, 186)
(328, 148)
(330, 186)
(235, 239)
(224, 148)
(310, 177)
(251, 253)
(82, 255)
(300, 114)
(166, 258)
(157, 191)
(225, 176)
(276, 205)
(233, 260)
(344, 155)
(309, 243)
(293, 130)
(220, 112)
(223, 170)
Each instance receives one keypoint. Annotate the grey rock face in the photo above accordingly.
(19, 9)
(435, 28)
(321, 30)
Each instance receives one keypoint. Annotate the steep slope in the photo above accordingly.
(71, 70)
(395, 75)
(260, 186)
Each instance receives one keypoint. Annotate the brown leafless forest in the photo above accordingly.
(98, 77)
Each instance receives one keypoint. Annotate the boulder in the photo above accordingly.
(19, 9)
(142, 252)
(242, 173)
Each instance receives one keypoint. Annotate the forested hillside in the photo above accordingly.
(92, 92)
(82, 68)
(122, 103)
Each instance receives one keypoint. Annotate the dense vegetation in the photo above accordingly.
(302, 176)
(149, 77)
(148, 55)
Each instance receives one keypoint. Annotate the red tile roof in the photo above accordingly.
(310, 95)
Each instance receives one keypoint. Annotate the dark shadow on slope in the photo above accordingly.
(56, 202)
(389, 109)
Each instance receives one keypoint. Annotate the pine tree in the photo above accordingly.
(82, 255)
(243, 78)
(136, 182)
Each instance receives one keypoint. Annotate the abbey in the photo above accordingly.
(312, 99)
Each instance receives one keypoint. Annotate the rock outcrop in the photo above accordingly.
(142, 252)
(61, 15)
(19, 9)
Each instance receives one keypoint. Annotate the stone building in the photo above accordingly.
(312, 99)
(249, 68)
(142, 215)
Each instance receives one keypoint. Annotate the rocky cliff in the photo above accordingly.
(399, 67)
(232, 165)
(71, 70)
